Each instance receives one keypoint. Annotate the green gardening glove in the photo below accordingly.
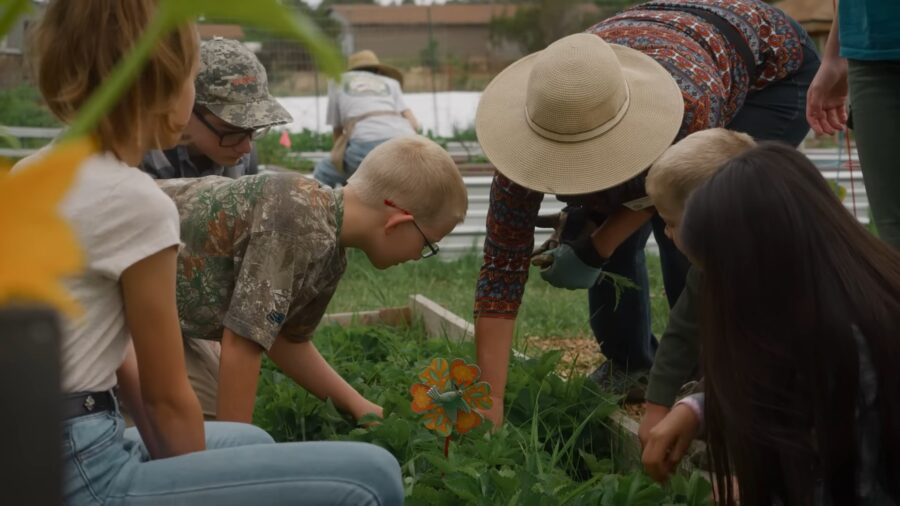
(575, 265)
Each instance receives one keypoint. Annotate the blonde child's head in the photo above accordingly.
(78, 43)
(688, 164)
(410, 181)
(416, 174)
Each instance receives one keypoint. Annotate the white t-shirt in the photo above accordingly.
(362, 92)
(120, 216)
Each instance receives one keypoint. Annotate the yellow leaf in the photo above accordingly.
(38, 247)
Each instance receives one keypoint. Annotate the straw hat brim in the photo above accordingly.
(648, 127)
(385, 70)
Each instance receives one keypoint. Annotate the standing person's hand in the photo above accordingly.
(826, 99)
(653, 414)
(668, 442)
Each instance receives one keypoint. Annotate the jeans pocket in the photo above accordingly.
(93, 433)
(95, 456)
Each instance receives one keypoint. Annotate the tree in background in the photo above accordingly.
(283, 57)
(536, 24)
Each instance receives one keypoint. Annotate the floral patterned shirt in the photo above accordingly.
(260, 255)
(714, 83)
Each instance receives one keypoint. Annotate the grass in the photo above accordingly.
(546, 311)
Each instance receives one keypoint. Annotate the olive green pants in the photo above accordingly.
(875, 101)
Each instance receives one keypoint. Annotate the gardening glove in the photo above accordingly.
(574, 265)
(540, 258)
(569, 224)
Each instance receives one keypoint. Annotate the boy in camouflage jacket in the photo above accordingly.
(263, 255)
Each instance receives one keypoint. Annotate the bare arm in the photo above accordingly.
(305, 365)
(336, 132)
(129, 384)
(618, 227)
(171, 406)
(238, 378)
(826, 99)
(408, 114)
(833, 44)
(493, 342)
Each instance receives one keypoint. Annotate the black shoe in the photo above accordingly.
(614, 379)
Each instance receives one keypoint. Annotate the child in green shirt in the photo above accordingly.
(675, 174)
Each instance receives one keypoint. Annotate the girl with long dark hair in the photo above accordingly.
(800, 322)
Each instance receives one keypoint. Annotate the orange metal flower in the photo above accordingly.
(450, 396)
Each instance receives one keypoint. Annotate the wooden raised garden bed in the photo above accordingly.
(441, 323)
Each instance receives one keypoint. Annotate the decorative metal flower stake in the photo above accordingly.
(450, 397)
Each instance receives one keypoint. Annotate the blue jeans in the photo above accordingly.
(777, 112)
(623, 329)
(105, 464)
(326, 173)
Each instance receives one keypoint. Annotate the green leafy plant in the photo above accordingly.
(554, 448)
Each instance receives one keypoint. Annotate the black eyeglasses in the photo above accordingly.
(232, 138)
(429, 249)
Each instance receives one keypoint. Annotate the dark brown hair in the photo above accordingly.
(788, 274)
(78, 43)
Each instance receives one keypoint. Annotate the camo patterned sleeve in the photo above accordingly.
(264, 288)
(289, 272)
(261, 255)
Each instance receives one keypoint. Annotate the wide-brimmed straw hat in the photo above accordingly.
(578, 117)
(367, 59)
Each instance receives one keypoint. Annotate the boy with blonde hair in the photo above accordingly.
(263, 255)
(680, 170)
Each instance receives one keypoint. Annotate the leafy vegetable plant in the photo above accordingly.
(553, 449)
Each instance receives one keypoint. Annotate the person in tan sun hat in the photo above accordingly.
(583, 120)
(365, 109)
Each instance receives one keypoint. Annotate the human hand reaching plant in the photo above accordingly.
(668, 441)
(366, 407)
(653, 414)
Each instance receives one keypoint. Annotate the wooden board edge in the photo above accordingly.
(393, 316)
(438, 321)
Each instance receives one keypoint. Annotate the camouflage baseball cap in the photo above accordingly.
(232, 84)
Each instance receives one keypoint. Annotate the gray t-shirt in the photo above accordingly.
(361, 92)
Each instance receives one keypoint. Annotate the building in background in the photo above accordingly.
(13, 68)
(210, 30)
(401, 34)
(814, 15)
